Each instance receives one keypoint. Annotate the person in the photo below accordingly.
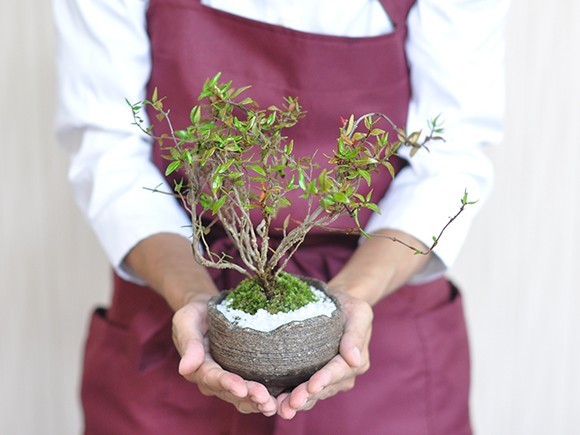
(412, 60)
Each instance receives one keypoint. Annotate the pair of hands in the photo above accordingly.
(377, 267)
(197, 365)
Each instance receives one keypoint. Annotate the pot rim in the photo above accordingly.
(313, 282)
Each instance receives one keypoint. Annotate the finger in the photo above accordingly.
(198, 366)
(309, 405)
(191, 359)
(243, 405)
(269, 409)
(299, 399)
(299, 396)
(333, 372)
(357, 330)
(188, 330)
(249, 407)
(257, 399)
(262, 399)
(285, 410)
(259, 393)
(230, 382)
(218, 379)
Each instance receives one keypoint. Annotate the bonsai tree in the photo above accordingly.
(237, 168)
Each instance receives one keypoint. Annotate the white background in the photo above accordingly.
(518, 269)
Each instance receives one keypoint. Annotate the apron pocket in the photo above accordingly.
(443, 335)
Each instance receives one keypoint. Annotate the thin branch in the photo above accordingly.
(435, 239)
(156, 190)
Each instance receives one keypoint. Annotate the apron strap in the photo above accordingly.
(397, 10)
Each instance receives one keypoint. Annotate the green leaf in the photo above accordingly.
(289, 147)
(215, 79)
(218, 204)
(301, 179)
(258, 169)
(216, 183)
(312, 188)
(349, 125)
(464, 200)
(326, 203)
(235, 175)
(206, 201)
(414, 137)
(239, 91)
(283, 202)
(357, 222)
(340, 197)
(195, 115)
(323, 180)
(175, 154)
(182, 134)
(368, 122)
(390, 168)
(225, 166)
(373, 207)
(364, 174)
(172, 167)
(271, 118)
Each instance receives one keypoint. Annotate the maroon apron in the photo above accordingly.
(418, 382)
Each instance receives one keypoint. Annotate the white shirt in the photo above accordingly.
(455, 52)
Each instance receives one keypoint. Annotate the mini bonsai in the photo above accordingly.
(237, 168)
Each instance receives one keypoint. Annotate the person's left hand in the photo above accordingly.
(340, 373)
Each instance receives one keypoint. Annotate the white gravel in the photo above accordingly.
(264, 321)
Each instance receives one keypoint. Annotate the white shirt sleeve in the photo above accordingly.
(455, 55)
(103, 58)
(455, 52)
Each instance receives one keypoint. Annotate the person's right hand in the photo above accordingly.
(197, 365)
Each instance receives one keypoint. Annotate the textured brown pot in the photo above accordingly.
(280, 359)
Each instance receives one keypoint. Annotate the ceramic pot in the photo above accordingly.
(280, 359)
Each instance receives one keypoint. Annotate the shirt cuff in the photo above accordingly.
(422, 204)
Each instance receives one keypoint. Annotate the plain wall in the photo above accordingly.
(518, 268)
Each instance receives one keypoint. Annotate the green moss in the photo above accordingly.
(290, 293)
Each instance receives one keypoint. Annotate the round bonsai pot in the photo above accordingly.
(282, 358)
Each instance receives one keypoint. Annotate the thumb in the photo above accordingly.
(357, 330)
(189, 329)
(192, 357)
